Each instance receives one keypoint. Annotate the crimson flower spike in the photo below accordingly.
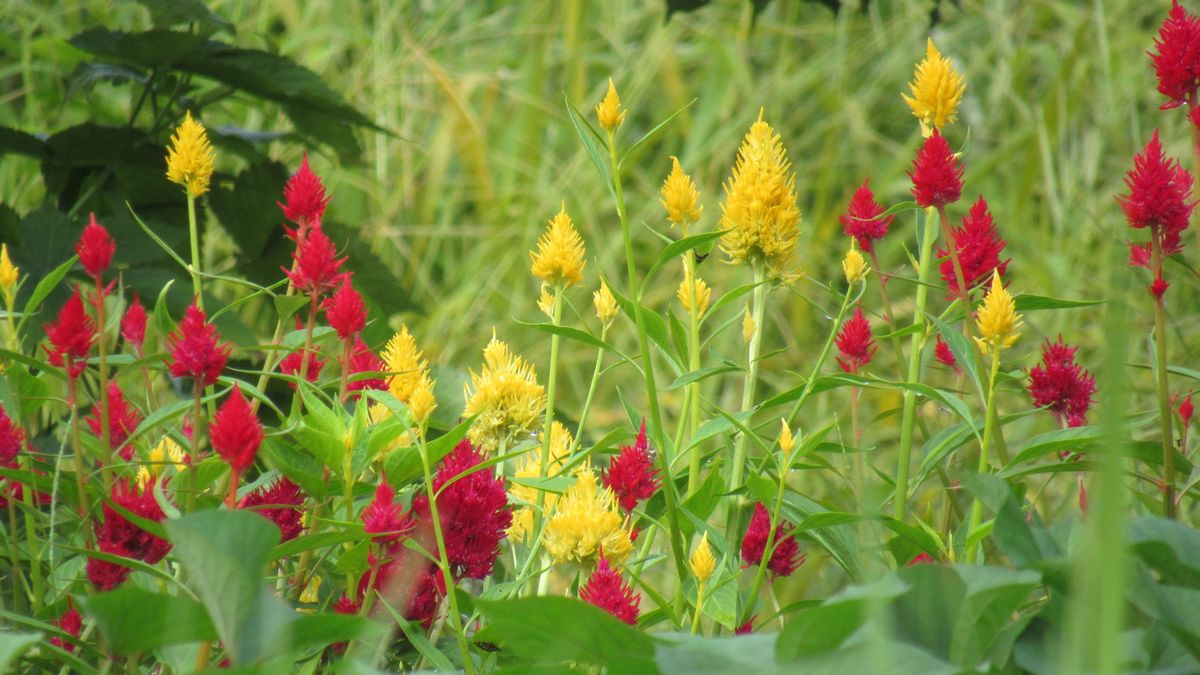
(345, 311)
(236, 435)
(71, 336)
(864, 219)
(196, 349)
(607, 590)
(787, 556)
(979, 246)
(316, 269)
(304, 200)
(95, 249)
(1060, 385)
(631, 474)
(936, 174)
(1176, 57)
(1159, 199)
(133, 325)
(855, 344)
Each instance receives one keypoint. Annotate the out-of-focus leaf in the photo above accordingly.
(21, 143)
(13, 645)
(247, 211)
(133, 620)
(168, 13)
(1170, 548)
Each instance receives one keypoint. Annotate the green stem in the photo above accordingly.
(194, 458)
(785, 465)
(693, 411)
(297, 399)
(32, 543)
(548, 426)
(699, 608)
(757, 303)
(14, 556)
(976, 505)
(194, 238)
(1164, 402)
(72, 402)
(587, 401)
(106, 448)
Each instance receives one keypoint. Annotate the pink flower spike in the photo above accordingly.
(607, 590)
(864, 219)
(196, 350)
(236, 433)
(304, 197)
(631, 474)
(345, 311)
(133, 324)
(95, 248)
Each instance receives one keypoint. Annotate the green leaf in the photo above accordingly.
(678, 248)
(1170, 548)
(1031, 303)
(574, 334)
(697, 375)
(18, 142)
(587, 136)
(13, 645)
(695, 655)
(247, 211)
(825, 627)
(1058, 440)
(653, 132)
(167, 13)
(133, 620)
(45, 286)
(964, 352)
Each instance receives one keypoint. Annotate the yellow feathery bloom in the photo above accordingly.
(561, 441)
(190, 158)
(422, 403)
(703, 294)
(760, 209)
(559, 258)
(609, 111)
(936, 88)
(747, 325)
(311, 595)
(998, 321)
(702, 562)
(680, 197)
(143, 477)
(9, 273)
(586, 521)
(402, 357)
(606, 304)
(854, 265)
(166, 452)
(546, 303)
(506, 397)
(787, 442)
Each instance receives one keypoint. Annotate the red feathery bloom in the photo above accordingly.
(384, 518)
(363, 360)
(133, 324)
(71, 336)
(855, 344)
(936, 174)
(116, 534)
(1060, 385)
(123, 419)
(428, 594)
(106, 575)
(473, 511)
(746, 628)
(1186, 410)
(70, 623)
(1158, 287)
(787, 556)
(316, 268)
(942, 353)
(1177, 57)
(11, 439)
(424, 593)
(196, 349)
(631, 474)
(95, 248)
(345, 311)
(923, 559)
(304, 197)
(236, 432)
(608, 591)
(979, 246)
(864, 219)
(290, 365)
(1159, 199)
(279, 502)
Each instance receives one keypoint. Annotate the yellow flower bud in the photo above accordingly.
(606, 304)
(703, 294)
(748, 326)
(9, 273)
(702, 562)
(680, 197)
(787, 442)
(609, 110)
(854, 265)
(998, 321)
(190, 158)
(422, 402)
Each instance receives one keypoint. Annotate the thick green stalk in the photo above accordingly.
(14, 557)
(33, 544)
(1164, 401)
(194, 457)
(757, 303)
(693, 412)
(194, 238)
(988, 426)
(102, 357)
(699, 612)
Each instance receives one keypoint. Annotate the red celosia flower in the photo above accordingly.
(1186, 410)
(118, 535)
(196, 350)
(979, 246)
(363, 360)
(290, 365)
(106, 575)
(1177, 57)
(384, 518)
(133, 324)
(864, 218)
(280, 502)
(473, 511)
(95, 248)
(936, 174)
(345, 311)
(746, 628)
(923, 559)
(855, 344)
(11, 438)
(70, 623)
(424, 593)
(787, 556)
(631, 474)
(608, 591)
(345, 605)
(304, 197)
(428, 594)
(316, 268)
(1060, 385)
(123, 419)
(236, 432)
(1158, 287)
(71, 336)
(1159, 199)
(942, 353)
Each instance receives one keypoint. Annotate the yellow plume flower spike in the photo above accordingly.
(9, 273)
(680, 197)
(703, 295)
(311, 595)
(937, 88)
(402, 357)
(422, 402)
(609, 111)
(143, 477)
(165, 453)
(747, 325)
(190, 158)
(854, 265)
(506, 397)
(702, 562)
(587, 521)
(561, 441)
(559, 257)
(998, 321)
(605, 303)
(760, 209)
(787, 442)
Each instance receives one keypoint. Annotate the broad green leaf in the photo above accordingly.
(678, 248)
(825, 627)
(1170, 548)
(695, 655)
(133, 620)
(13, 645)
(698, 375)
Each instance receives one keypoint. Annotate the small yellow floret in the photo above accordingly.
(190, 158)
(506, 397)
(587, 521)
(9, 273)
(702, 561)
(998, 322)
(609, 111)
(422, 402)
(606, 304)
(680, 197)
(404, 360)
(787, 442)
(703, 294)
(854, 265)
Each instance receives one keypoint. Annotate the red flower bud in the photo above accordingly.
(607, 590)
(133, 324)
(345, 311)
(316, 268)
(95, 248)
(864, 218)
(71, 336)
(304, 196)
(236, 432)
(855, 344)
(631, 474)
(936, 174)
(196, 350)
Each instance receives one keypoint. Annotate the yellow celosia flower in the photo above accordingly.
(606, 304)
(680, 197)
(546, 303)
(702, 561)
(9, 273)
(936, 88)
(998, 321)
(586, 521)
(143, 477)
(402, 358)
(166, 452)
(190, 158)
(854, 265)
(506, 397)
(422, 402)
(787, 442)
(311, 595)
(703, 294)
(561, 441)
(760, 209)
(559, 258)
(609, 111)
(747, 325)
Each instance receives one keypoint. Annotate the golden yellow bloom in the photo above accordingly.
(190, 158)
(311, 595)
(506, 397)
(609, 111)
(561, 441)
(559, 258)
(702, 561)
(703, 294)
(760, 209)
(606, 304)
(747, 325)
(854, 265)
(166, 452)
(787, 442)
(402, 358)
(143, 477)
(422, 402)
(586, 520)
(680, 197)
(998, 321)
(9, 273)
(936, 89)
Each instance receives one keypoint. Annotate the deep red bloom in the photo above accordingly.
(923, 559)
(236, 432)
(631, 474)
(979, 246)
(196, 349)
(316, 269)
(864, 219)
(11, 439)
(424, 592)
(123, 419)
(345, 311)
(1158, 287)
(95, 248)
(363, 360)
(942, 353)
(428, 594)
(1060, 385)
(936, 174)
(116, 534)
(1159, 197)
(70, 623)
(133, 324)
(1186, 410)
(855, 344)
(384, 518)
(1177, 56)
(290, 365)
(345, 605)
(746, 628)
(608, 591)
(106, 575)
(71, 336)
(787, 556)
(281, 503)
(304, 197)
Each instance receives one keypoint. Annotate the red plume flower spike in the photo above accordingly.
(363, 360)
(116, 535)
(123, 419)
(345, 311)
(11, 439)
(864, 219)
(95, 248)
(1060, 385)
(236, 432)
(1176, 57)
(1186, 410)
(70, 623)
(196, 350)
(290, 365)
(384, 518)
(316, 269)
(304, 197)
(607, 590)
(936, 174)
(787, 556)
(71, 336)
(944, 355)
(855, 344)
(1159, 200)
(631, 474)
(279, 502)
(979, 246)
(133, 324)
